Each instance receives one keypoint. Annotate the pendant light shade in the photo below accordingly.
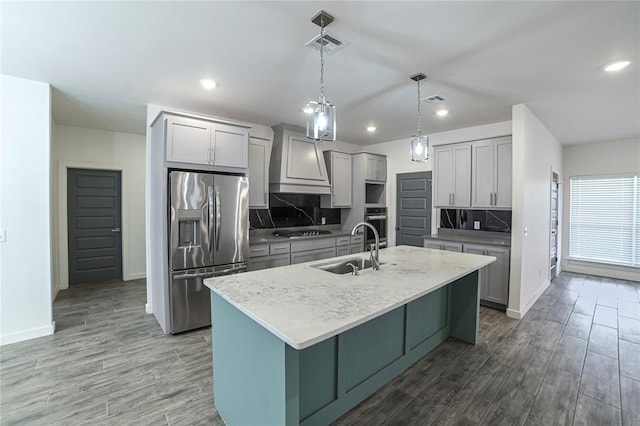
(419, 143)
(321, 125)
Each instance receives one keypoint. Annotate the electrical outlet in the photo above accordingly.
(324, 220)
(476, 224)
(3, 235)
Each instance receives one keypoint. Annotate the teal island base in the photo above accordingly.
(261, 380)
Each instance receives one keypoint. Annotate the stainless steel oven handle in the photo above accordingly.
(380, 217)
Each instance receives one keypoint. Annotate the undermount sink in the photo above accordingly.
(343, 267)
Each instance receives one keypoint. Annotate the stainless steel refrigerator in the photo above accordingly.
(208, 237)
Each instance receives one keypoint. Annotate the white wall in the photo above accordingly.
(536, 152)
(604, 158)
(77, 147)
(25, 257)
(399, 161)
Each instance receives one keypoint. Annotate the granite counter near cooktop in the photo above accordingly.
(303, 305)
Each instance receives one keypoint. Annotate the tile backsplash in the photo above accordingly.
(287, 210)
(487, 220)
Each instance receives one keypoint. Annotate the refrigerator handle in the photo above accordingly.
(210, 217)
(217, 220)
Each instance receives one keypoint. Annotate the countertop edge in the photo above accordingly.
(310, 342)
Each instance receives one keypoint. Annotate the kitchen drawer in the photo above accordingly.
(307, 256)
(357, 239)
(355, 248)
(343, 241)
(313, 244)
(258, 250)
(279, 248)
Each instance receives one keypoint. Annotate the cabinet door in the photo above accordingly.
(503, 173)
(355, 248)
(462, 175)
(370, 168)
(381, 168)
(341, 179)
(188, 140)
(305, 161)
(483, 172)
(343, 250)
(258, 264)
(258, 174)
(279, 260)
(230, 146)
(497, 278)
(479, 249)
(442, 176)
(303, 256)
(327, 253)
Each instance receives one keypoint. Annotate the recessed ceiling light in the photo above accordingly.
(616, 66)
(371, 128)
(442, 112)
(208, 84)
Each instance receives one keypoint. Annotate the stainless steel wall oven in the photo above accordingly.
(376, 216)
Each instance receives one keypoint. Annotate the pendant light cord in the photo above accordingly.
(321, 59)
(419, 114)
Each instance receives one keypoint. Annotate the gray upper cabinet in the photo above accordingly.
(201, 142)
(375, 167)
(339, 168)
(259, 157)
(452, 175)
(491, 173)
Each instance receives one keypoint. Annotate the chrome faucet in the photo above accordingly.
(375, 260)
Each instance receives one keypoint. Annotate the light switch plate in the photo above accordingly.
(476, 224)
(3, 235)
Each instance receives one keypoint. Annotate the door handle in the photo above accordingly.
(209, 217)
(115, 230)
(453, 196)
(217, 220)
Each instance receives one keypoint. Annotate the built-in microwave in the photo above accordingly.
(376, 216)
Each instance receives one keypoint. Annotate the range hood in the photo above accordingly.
(297, 164)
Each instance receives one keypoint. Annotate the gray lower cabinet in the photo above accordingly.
(494, 278)
(264, 256)
(443, 245)
(343, 250)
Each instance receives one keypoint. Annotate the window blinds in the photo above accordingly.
(604, 219)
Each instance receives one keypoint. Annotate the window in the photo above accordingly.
(604, 219)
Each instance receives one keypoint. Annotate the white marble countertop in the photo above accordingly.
(303, 305)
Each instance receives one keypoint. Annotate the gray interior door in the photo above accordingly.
(94, 225)
(413, 208)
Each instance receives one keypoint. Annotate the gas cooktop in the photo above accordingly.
(300, 232)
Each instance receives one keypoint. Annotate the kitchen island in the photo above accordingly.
(300, 345)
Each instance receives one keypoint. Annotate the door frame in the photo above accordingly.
(63, 230)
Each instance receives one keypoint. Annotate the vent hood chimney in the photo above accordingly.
(297, 164)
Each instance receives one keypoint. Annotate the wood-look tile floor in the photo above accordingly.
(574, 359)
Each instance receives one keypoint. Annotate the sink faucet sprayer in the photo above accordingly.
(375, 260)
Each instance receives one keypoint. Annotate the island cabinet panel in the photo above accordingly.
(367, 349)
(318, 376)
(426, 316)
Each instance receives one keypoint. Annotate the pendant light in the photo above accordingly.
(321, 125)
(419, 143)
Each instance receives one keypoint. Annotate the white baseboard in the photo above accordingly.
(32, 333)
(147, 307)
(519, 314)
(135, 276)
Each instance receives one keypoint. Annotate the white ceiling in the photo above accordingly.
(106, 60)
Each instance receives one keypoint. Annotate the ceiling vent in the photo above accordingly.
(329, 41)
(434, 99)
